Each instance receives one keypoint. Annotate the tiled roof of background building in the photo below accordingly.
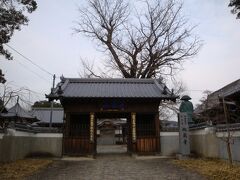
(43, 114)
(18, 111)
(215, 97)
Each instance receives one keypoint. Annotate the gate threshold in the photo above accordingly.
(77, 158)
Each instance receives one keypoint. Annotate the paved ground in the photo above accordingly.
(115, 166)
(112, 149)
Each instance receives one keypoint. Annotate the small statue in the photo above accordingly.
(187, 107)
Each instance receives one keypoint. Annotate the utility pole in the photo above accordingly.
(228, 133)
(51, 112)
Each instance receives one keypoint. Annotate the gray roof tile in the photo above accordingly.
(18, 111)
(112, 88)
(43, 114)
(214, 98)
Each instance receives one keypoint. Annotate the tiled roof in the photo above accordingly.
(228, 90)
(100, 122)
(18, 111)
(112, 88)
(43, 114)
(214, 98)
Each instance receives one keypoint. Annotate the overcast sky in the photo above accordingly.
(49, 41)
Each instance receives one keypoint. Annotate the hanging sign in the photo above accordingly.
(112, 105)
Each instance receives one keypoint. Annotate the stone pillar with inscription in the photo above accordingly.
(184, 144)
(184, 119)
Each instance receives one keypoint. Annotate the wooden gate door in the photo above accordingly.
(148, 135)
(77, 139)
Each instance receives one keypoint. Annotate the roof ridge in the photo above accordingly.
(48, 108)
(111, 88)
(109, 80)
(224, 88)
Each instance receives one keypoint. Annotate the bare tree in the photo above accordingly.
(9, 95)
(168, 109)
(89, 70)
(229, 138)
(205, 106)
(149, 42)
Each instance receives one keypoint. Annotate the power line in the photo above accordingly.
(27, 89)
(26, 101)
(22, 89)
(33, 72)
(26, 58)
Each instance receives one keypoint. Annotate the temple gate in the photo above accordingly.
(86, 100)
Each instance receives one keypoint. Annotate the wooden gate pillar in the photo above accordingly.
(157, 124)
(133, 130)
(134, 135)
(92, 128)
(92, 134)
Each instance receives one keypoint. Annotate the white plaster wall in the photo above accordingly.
(169, 142)
(17, 145)
(203, 142)
(208, 143)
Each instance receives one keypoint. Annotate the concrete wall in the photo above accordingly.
(169, 142)
(204, 142)
(17, 145)
(235, 145)
(209, 143)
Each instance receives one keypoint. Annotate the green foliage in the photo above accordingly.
(236, 7)
(46, 104)
(2, 79)
(2, 107)
(12, 17)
